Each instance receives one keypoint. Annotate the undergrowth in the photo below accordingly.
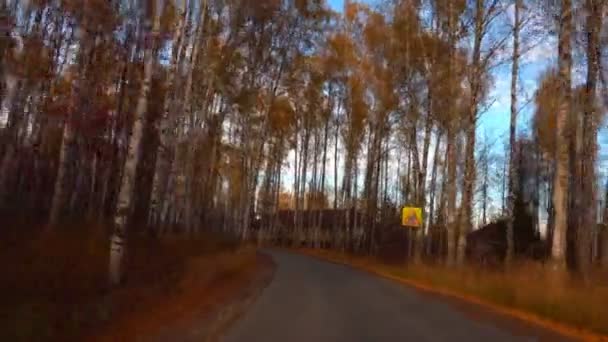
(54, 284)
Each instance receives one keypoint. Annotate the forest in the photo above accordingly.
(292, 122)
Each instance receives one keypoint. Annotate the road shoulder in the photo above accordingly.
(517, 321)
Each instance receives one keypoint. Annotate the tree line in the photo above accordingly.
(177, 116)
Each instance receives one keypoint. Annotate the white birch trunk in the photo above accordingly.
(66, 141)
(189, 161)
(125, 196)
(7, 105)
(560, 187)
(450, 188)
(470, 168)
(512, 170)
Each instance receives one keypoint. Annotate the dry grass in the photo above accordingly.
(210, 281)
(54, 285)
(529, 291)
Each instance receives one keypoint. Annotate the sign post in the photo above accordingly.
(411, 217)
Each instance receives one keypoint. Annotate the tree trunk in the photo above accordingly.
(356, 236)
(296, 186)
(9, 152)
(588, 222)
(485, 184)
(376, 186)
(371, 162)
(550, 209)
(161, 170)
(314, 190)
(424, 233)
(471, 124)
(68, 135)
(336, 167)
(513, 178)
(304, 177)
(323, 169)
(451, 198)
(125, 197)
(450, 190)
(537, 186)
(188, 169)
(418, 178)
(346, 199)
(433, 190)
(560, 187)
(604, 247)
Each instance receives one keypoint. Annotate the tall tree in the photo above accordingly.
(77, 78)
(588, 221)
(163, 153)
(127, 187)
(562, 158)
(512, 129)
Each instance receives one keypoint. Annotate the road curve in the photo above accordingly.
(312, 300)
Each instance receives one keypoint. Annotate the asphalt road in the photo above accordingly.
(311, 300)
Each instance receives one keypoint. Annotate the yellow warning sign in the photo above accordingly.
(411, 217)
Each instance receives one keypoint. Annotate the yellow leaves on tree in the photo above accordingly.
(57, 103)
(311, 8)
(246, 100)
(281, 116)
(376, 33)
(316, 200)
(314, 94)
(449, 11)
(385, 91)
(357, 113)
(407, 48)
(34, 64)
(286, 201)
(98, 15)
(449, 94)
(351, 11)
(262, 10)
(168, 18)
(341, 52)
(547, 105)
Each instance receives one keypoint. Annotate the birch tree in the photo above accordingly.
(512, 128)
(125, 196)
(485, 13)
(562, 158)
(588, 223)
(166, 123)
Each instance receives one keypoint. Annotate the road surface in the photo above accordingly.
(311, 300)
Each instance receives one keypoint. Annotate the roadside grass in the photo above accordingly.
(54, 285)
(528, 291)
(209, 282)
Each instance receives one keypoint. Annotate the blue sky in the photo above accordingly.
(495, 122)
(336, 4)
(541, 53)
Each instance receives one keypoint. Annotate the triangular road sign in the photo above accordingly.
(412, 220)
(411, 217)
